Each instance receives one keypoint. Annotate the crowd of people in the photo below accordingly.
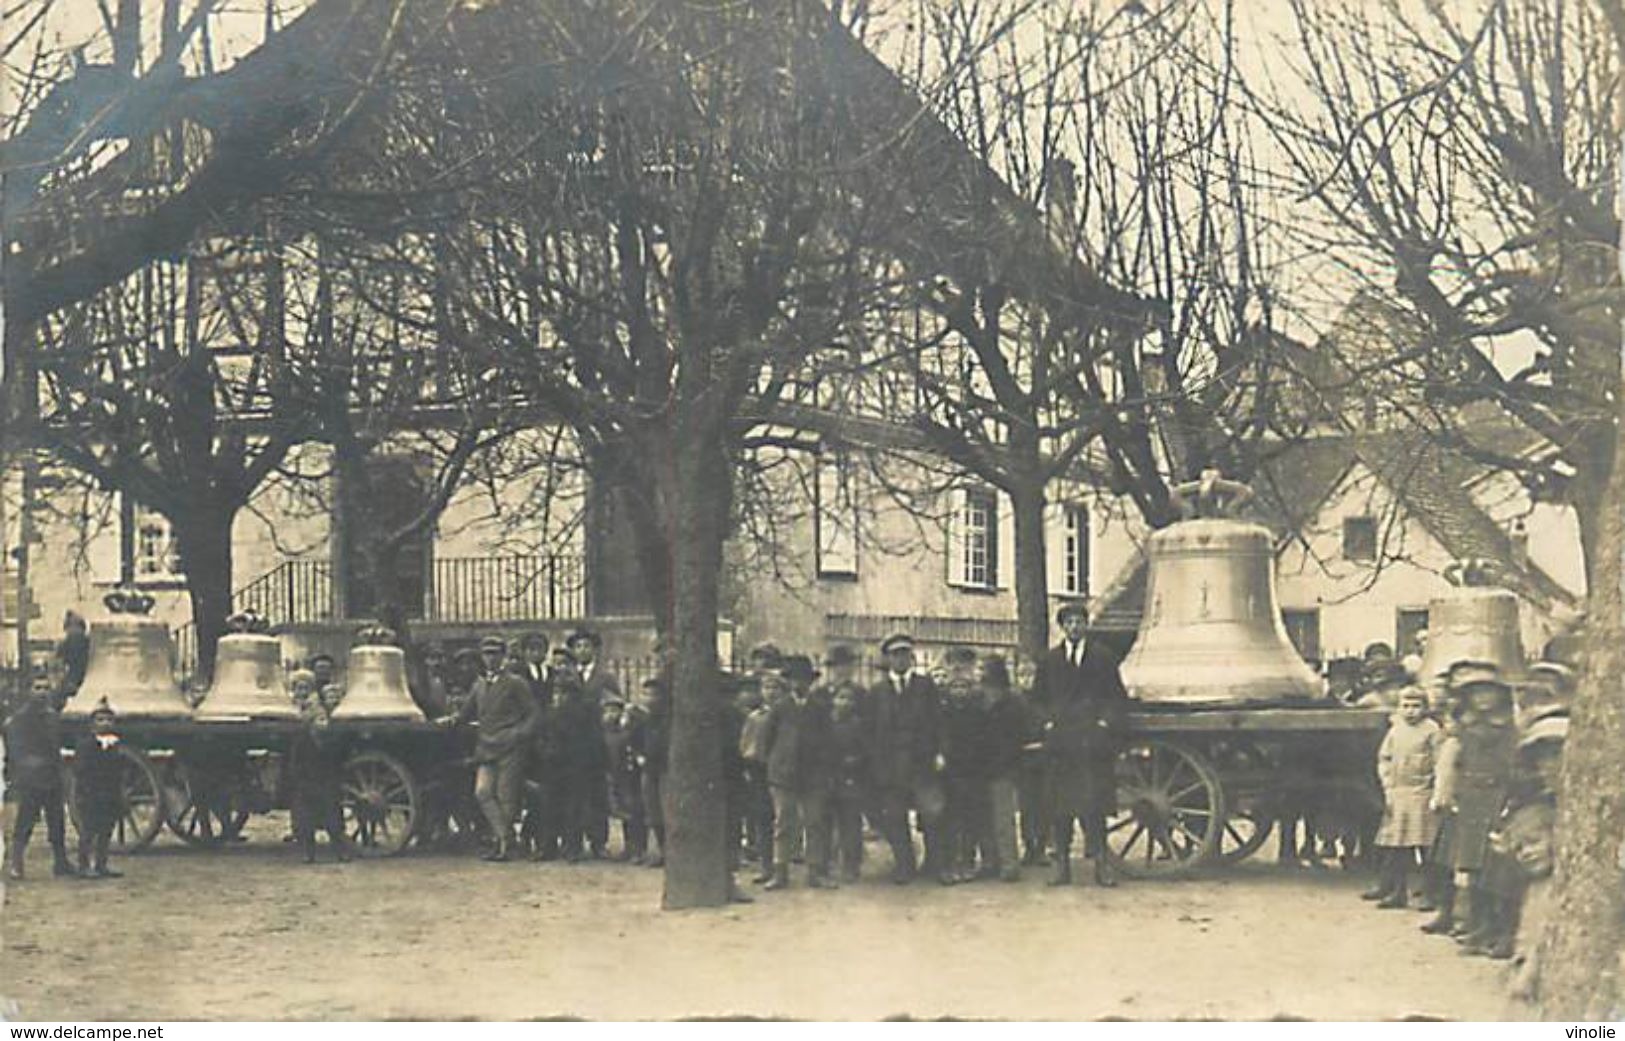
(992, 778)
(1469, 770)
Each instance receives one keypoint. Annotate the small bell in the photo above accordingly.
(249, 682)
(131, 664)
(375, 682)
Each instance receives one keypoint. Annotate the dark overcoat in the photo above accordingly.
(1082, 709)
(904, 734)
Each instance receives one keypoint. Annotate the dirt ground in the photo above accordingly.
(251, 933)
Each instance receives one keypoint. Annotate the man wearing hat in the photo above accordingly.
(1081, 702)
(585, 646)
(502, 705)
(902, 714)
(34, 773)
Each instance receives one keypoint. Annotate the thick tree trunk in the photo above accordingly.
(1584, 945)
(1027, 501)
(696, 493)
(203, 540)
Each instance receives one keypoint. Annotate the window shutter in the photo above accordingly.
(958, 501)
(1001, 543)
(1055, 547)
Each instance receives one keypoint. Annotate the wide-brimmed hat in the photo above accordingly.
(1465, 674)
(1072, 609)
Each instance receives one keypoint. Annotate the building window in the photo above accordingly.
(973, 545)
(152, 549)
(1360, 538)
(1075, 552)
(1303, 629)
(1409, 624)
(835, 516)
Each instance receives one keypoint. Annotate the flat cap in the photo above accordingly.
(897, 642)
(493, 643)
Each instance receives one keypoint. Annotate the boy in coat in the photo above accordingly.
(316, 770)
(1082, 701)
(503, 706)
(797, 740)
(98, 791)
(967, 823)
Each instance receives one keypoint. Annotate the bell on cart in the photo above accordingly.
(375, 680)
(1212, 632)
(248, 675)
(131, 664)
(1476, 622)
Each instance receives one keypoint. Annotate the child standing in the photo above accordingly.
(315, 766)
(1405, 765)
(625, 780)
(98, 782)
(849, 784)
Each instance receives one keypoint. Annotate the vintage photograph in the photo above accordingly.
(837, 510)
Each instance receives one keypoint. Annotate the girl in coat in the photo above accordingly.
(1406, 762)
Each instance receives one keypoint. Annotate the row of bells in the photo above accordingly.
(1212, 632)
(130, 668)
(1211, 635)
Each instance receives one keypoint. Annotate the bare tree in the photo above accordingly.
(1122, 129)
(1468, 161)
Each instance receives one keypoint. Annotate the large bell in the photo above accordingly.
(1212, 632)
(248, 681)
(131, 665)
(1474, 622)
(375, 686)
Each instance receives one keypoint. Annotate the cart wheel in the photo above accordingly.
(380, 803)
(197, 825)
(1246, 776)
(1171, 811)
(142, 817)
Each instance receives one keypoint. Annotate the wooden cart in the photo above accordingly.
(1205, 786)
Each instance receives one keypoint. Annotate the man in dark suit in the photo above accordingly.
(1081, 702)
(902, 714)
(585, 646)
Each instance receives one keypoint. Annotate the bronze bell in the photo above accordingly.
(248, 681)
(1475, 622)
(1212, 632)
(375, 685)
(131, 665)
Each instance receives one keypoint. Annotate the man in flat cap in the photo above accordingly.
(502, 705)
(902, 713)
(1080, 701)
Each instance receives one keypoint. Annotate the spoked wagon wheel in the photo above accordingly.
(142, 814)
(380, 801)
(1246, 776)
(201, 818)
(1170, 810)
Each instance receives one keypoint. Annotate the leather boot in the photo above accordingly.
(1441, 922)
(1062, 875)
(1105, 872)
(1469, 914)
(780, 879)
